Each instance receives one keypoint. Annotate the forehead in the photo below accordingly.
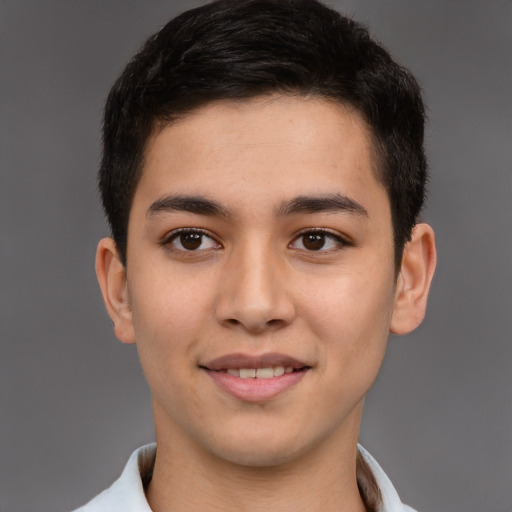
(269, 144)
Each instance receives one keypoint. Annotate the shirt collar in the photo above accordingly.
(390, 500)
(127, 493)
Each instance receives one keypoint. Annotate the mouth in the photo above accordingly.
(265, 366)
(255, 378)
(260, 373)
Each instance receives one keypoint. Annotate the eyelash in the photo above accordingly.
(339, 241)
(176, 234)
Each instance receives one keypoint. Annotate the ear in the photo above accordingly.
(414, 279)
(112, 279)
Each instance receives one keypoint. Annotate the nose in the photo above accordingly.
(253, 295)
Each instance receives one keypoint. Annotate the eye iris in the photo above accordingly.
(191, 241)
(313, 241)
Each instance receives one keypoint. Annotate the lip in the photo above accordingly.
(239, 360)
(255, 390)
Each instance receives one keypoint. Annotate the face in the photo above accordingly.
(260, 277)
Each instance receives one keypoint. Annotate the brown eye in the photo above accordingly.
(191, 241)
(318, 240)
(188, 240)
(313, 241)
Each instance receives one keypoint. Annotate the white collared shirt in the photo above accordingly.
(127, 493)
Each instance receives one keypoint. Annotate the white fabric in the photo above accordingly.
(127, 493)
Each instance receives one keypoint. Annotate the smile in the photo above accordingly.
(262, 364)
(255, 378)
(259, 373)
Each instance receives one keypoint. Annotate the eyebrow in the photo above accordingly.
(301, 204)
(193, 204)
(325, 203)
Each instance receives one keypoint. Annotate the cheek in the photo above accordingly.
(168, 318)
(352, 316)
(168, 301)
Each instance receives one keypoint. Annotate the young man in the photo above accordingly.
(263, 173)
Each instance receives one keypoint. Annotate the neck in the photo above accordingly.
(188, 478)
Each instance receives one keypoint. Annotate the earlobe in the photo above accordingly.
(112, 280)
(414, 279)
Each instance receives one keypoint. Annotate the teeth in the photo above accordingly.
(278, 371)
(264, 373)
(260, 373)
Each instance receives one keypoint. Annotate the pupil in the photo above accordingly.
(314, 241)
(191, 241)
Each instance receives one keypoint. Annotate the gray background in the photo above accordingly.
(73, 401)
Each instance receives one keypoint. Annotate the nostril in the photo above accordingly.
(272, 324)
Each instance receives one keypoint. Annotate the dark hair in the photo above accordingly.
(240, 49)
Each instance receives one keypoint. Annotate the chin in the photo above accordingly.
(260, 451)
(257, 458)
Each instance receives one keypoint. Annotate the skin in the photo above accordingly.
(254, 285)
